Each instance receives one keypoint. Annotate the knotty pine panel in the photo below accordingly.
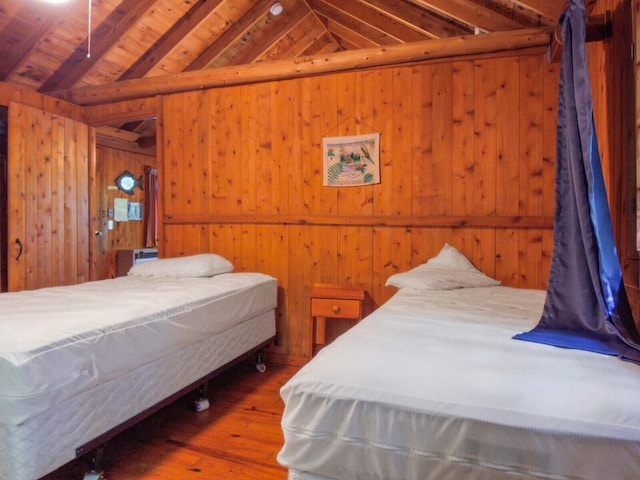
(486, 128)
(613, 84)
(48, 199)
(462, 137)
(111, 162)
(508, 151)
(467, 140)
(531, 136)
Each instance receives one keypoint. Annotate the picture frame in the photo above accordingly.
(351, 160)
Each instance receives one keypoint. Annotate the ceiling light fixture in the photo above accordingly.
(276, 9)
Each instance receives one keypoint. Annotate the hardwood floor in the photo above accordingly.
(238, 437)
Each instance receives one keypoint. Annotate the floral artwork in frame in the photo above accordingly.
(351, 160)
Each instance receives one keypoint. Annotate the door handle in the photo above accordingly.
(20, 250)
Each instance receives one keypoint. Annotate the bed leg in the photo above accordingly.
(202, 403)
(96, 463)
(260, 366)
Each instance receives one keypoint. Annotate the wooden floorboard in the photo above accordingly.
(238, 437)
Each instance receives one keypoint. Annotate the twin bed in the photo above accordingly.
(433, 386)
(430, 386)
(79, 363)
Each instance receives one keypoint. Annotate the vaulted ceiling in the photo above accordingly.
(56, 48)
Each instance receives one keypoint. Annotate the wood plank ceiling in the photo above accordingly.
(47, 47)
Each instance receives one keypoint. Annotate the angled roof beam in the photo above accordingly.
(14, 51)
(196, 15)
(470, 13)
(529, 41)
(547, 8)
(283, 25)
(351, 14)
(121, 19)
(256, 12)
(418, 18)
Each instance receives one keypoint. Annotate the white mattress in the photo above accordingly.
(432, 386)
(58, 342)
(48, 440)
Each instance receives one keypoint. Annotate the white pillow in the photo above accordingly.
(201, 265)
(448, 270)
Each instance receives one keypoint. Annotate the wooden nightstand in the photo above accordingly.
(332, 301)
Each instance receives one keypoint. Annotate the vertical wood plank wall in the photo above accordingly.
(48, 201)
(467, 157)
(612, 73)
(111, 162)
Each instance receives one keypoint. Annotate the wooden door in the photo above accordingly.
(48, 199)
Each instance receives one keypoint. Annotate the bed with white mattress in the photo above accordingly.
(432, 386)
(78, 363)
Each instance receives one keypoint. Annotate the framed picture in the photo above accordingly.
(135, 211)
(352, 160)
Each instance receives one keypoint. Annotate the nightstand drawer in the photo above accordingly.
(334, 307)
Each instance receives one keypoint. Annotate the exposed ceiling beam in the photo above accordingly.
(598, 28)
(304, 36)
(18, 40)
(463, 46)
(218, 47)
(358, 15)
(103, 38)
(194, 17)
(418, 18)
(355, 38)
(548, 8)
(471, 13)
(281, 27)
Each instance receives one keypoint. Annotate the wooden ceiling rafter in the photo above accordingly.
(198, 13)
(465, 46)
(323, 21)
(16, 49)
(472, 14)
(230, 36)
(103, 39)
(362, 25)
(362, 13)
(43, 47)
(280, 28)
(299, 41)
(427, 22)
(551, 9)
(349, 38)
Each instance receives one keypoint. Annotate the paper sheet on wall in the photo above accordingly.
(121, 209)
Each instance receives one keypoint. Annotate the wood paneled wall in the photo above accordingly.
(111, 162)
(467, 157)
(611, 67)
(48, 199)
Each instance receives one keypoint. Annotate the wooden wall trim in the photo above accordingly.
(122, 111)
(19, 95)
(408, 53)
(454, 221)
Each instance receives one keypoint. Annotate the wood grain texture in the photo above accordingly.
(456, 162)
(48, 199)
(239, 435)
(110, 163)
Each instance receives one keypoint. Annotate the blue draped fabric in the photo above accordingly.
(586, 305)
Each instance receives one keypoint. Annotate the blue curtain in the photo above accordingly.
(586, 305)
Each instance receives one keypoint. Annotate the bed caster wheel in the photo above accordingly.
(261, 367)
(201, 404)
(94, 476)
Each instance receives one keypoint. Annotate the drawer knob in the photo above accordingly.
(335, 308)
